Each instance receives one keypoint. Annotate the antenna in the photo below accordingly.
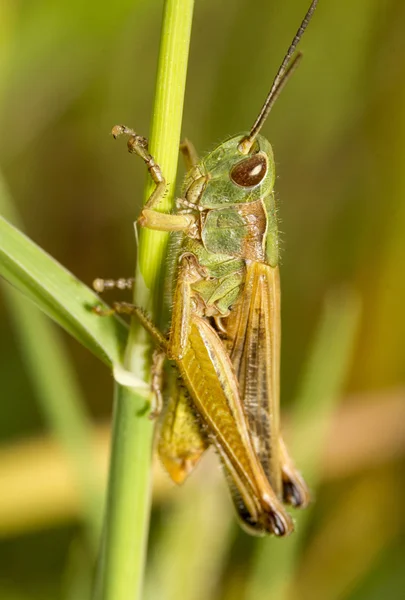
(283, 74)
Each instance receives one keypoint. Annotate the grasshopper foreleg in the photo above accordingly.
(189, 154)
(149, 216)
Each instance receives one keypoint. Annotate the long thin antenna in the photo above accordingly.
(280, 80)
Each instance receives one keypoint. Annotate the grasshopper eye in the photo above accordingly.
(250, 171)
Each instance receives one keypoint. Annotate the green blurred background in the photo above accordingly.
(68, 72)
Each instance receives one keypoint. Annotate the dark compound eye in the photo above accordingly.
(250, 171)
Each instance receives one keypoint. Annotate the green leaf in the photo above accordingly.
(60, 295)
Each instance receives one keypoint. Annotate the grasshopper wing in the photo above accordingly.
(253, 341)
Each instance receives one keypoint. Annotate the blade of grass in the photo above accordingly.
(321, 387)
(59, 295)
(122, 560)
(57, 390)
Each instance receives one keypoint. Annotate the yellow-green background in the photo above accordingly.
(68, 72)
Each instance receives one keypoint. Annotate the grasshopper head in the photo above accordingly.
(235, 177)
(241, 170)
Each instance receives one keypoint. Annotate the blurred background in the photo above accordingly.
(68, 73)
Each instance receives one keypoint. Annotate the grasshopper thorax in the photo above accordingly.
(226, 176)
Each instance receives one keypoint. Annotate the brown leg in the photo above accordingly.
(102, 285)
(158, 359)
(149, 216)
(183, 306)
(189, 154)
(295, 490)
(125, 308)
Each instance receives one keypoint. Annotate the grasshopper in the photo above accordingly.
(224, 336)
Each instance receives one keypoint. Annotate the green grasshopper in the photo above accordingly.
(224, 336)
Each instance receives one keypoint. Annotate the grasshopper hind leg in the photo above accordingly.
(251, 518)
(295, 490)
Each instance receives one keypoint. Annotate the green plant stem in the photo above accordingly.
(122, 562)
